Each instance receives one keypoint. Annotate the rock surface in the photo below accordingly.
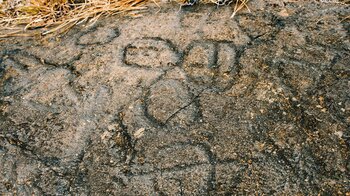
(186, 102)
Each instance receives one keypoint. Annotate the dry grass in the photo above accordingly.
(238, 6)
(42, 17)
(59, 15)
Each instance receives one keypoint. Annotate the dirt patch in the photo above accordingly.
(186, 102)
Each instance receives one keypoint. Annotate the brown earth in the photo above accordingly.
(187, 102)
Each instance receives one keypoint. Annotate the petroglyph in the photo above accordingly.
(99, 35)
(166, 98)
(151, 53)
(181, 103)
(211, 63)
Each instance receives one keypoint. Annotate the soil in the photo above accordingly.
(181, 102)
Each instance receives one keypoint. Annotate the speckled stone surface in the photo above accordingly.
(187, 102)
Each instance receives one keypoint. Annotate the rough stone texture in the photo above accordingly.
(182, 103)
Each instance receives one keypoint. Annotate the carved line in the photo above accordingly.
(155, 121)
(213, 60)
(211, 179)
(92, 30)
(167, 42)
